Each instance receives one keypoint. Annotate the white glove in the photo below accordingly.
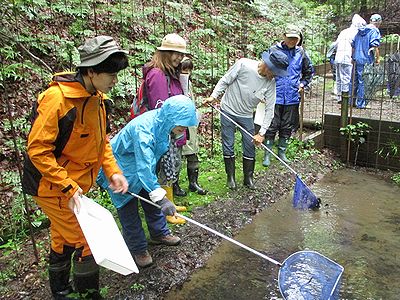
(157, 195)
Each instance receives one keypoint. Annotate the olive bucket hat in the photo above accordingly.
(292, 31)
(98, 49)
(173, 42)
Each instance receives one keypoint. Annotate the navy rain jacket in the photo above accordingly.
(300, 70)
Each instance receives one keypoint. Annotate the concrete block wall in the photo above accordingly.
(380, 135)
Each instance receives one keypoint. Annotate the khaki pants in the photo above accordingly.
(64, 227)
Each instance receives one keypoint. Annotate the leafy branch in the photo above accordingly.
(6, 38)
(357, 134)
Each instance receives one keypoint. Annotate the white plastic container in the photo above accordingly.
(104, 238)
(260, 112)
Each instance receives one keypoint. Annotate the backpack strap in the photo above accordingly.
(145, 100)
(168, 84)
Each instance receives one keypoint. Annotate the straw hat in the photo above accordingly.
(173, 42)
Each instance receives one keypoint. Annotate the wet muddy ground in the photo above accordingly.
(173, 265)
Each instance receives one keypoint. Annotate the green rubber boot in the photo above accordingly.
(267, 155)
(282, 145)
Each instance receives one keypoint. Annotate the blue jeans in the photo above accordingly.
(361, 102)
(131, 223)
(228, 136)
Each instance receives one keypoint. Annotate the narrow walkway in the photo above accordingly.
(382, 107)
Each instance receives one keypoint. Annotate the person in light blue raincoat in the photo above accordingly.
(137, 148)
(368, 38)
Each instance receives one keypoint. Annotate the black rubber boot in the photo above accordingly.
(193, 175)
(59, 271)
(86, 277)
(230, 172)
(248, 171)
(177, 189)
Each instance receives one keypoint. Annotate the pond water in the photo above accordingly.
(358, 226)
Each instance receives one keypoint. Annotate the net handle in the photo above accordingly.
(211, 230)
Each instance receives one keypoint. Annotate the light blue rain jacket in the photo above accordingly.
(366, 38)
(141, 143)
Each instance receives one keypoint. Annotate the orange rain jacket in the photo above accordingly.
(67, 144)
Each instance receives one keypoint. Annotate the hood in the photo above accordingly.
(358, 21)
(281, 46)
(145, 70)
(177, 111)
(365, 30)
(71, 85)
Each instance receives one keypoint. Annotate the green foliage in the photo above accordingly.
(20, 142)
(103, 198)
(104, 291)
(391, 148)
(125, 88)
(9, 271)
(224, 22)
(15, 223)
(301, 149)
(21, 127)
(13, 70)
(142, 51)
(211, 175)
(137, 287)
(72, 8)
(10, 246)
(391, 38)
(356, 133)
(396, 178)
(345, 8)
(313, 19)
(77, 30)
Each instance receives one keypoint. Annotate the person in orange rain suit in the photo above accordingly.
(67, 146)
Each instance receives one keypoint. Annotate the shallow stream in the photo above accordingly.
(358, 226)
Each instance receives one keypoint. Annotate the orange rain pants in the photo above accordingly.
(64, 227)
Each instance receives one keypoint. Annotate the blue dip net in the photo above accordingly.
(303, 197)
(309, 275)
